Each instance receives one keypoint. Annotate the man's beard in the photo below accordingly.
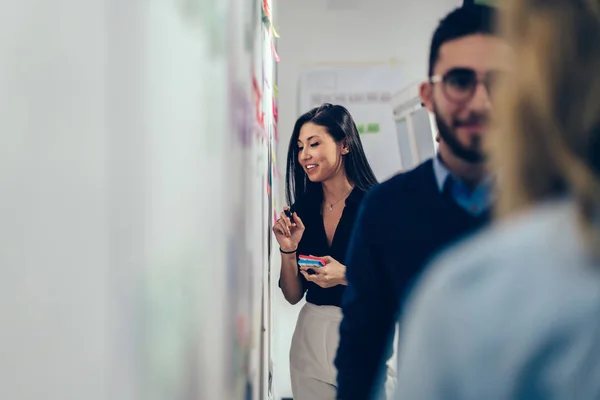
(473, 155)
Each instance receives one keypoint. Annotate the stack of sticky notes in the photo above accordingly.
(310, 261)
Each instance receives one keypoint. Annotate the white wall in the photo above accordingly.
(365, 32)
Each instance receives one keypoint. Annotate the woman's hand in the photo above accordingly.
(332, 274)
(287, 232)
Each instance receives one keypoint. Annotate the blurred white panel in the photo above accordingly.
(424, 138)
(186, 295)
(343, 4)
(53, 202)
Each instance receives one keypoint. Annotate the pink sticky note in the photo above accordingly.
(277, 58)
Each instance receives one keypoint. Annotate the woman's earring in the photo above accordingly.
(345, 148)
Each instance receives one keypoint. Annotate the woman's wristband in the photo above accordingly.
(288, 252)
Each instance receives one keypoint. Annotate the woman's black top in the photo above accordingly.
(314, 242)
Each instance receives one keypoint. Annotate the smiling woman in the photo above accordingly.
(332, 128)
(327, 177)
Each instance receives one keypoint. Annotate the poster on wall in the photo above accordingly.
(366, 91)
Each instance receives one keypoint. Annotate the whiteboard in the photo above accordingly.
(134, 210)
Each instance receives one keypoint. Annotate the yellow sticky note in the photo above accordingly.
(274, 31)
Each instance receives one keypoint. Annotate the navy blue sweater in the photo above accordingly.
(401, 225)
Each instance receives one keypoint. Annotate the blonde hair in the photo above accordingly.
(547, 131)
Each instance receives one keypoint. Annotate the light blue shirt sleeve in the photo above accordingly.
(512, 314)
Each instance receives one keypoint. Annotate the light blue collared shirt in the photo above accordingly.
(474, 201)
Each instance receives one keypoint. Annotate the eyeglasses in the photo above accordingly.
(459, 84)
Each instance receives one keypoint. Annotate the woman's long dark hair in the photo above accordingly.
(340, 125)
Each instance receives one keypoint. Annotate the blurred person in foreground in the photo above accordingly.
(405, 221)
(515, 312)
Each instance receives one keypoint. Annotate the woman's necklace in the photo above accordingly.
(340, 199)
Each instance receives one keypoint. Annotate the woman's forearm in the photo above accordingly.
(291, 286)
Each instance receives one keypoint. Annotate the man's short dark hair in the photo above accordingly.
(464, 21)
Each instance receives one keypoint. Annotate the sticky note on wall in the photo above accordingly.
(368, 128)
(373, 128)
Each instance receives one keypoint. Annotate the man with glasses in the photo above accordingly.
(405, 221)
